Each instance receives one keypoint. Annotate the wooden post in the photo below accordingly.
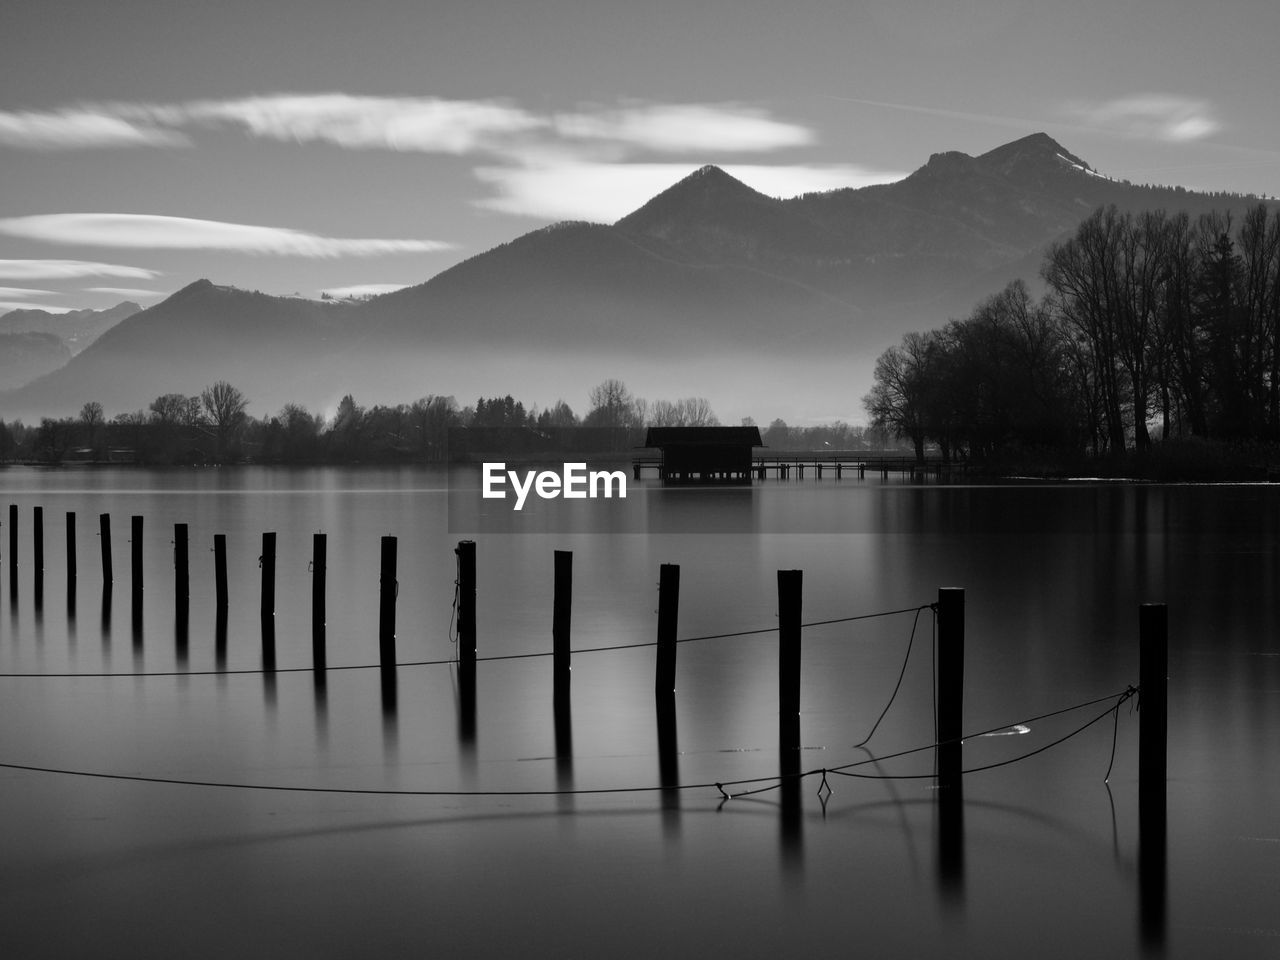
(104, 535)
(135, 549)
(560, 618)
(13, 549)
(664, 685)
(181, 570)
(790, 588)
(1153, 734)
(950, 685)
(319, 561)
(466, 552)
(268, 563)
(220, 569)
(37, 539)
(71, 548)
(790, 591)
(387, 605)
(37, 566)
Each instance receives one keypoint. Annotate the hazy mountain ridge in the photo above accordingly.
(710, 287)
(34, 342)
(28, 355)
(76, 328)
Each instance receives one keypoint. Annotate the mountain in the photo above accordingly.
(76, 328)
(201, 334)
(764, 305)
(26, 356)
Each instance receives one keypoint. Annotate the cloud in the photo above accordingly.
(1152, 116)
(493, 127)
(679, 128)
(594, 162)
(69, 269)
(427, 124)
(605, 192)
(25, 292)
(364, 289)
(81, 128)
(147, 231)
(134, 293)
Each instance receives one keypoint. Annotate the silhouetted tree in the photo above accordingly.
(901, 399)
(556, 416)
(91, 420)
(612, 405)
(224, 405)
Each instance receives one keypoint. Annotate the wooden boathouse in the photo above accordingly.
(691, 455)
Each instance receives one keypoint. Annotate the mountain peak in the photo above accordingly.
(704, 193)
(1037, 150)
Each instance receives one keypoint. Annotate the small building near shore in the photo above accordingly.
(692, 455)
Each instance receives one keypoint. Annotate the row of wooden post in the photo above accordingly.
(1153, 631)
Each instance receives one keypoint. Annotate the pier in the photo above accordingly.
(824, 464)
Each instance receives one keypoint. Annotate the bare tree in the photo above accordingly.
(224, 405)
(92, 418)
(611, 405)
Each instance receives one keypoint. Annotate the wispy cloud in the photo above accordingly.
(604, 192)
(491, 127)
(70, 270)
(133, 293)
(1150, 116)
(530, 158)
(363, 290)
(146, 231)
(681, 128)
(427, 124)
(79, 128)
(25, 292)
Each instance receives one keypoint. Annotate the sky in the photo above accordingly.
(299, 147)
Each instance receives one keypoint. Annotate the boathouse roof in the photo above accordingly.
(703, 436)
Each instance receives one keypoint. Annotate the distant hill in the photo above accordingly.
(76, 328)
(26, 356)
(776, 307)
(200, 334)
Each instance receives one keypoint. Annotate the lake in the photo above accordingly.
(1040, 858)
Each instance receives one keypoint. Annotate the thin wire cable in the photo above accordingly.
(776, 779)
(441, 662)
(1122, 697)
(897, 686)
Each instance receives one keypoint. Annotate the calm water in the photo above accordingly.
(1045, 862)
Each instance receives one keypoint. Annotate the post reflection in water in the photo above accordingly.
(106, 614)
(220, 639)
(564, 748)
(792, 811)
(467, 709)
(320, 688)
(669, 766)
(950, 819)
(135, 627)
(1152, 886)
(182, 634)
(390, 684)
(269, 659)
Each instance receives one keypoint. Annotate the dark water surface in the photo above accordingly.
(1040, 859)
